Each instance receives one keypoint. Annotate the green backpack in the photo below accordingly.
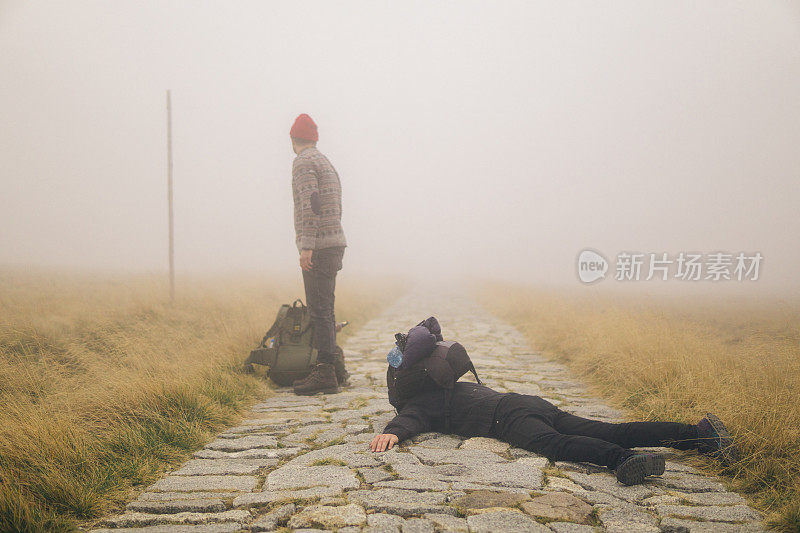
(286, 348)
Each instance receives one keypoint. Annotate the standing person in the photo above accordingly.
(320, 240)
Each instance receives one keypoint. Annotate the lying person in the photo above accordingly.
(534, 424)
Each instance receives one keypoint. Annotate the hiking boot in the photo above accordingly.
(321, 379)
(342, 375)
(299, 382)
(715, 440)
(635, 468)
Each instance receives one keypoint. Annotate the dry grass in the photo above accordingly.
(676, 358)
(103, 384)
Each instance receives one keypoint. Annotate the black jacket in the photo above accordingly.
(472, 412)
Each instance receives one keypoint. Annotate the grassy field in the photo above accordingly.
(674, 358)
(104, 384)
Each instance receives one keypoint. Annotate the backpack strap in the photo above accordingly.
(474, 373)
(274, 329)
(297, 323)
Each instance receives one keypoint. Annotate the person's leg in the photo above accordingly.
(327, 262)
(527, 422)
(629, 434)
(342, 375)
(321, 284)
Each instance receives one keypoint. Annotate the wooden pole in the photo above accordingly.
(169, 199)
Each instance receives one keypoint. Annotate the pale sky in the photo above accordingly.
(493, 139)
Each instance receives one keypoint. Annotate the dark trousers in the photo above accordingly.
(320, 284)
(534, 424)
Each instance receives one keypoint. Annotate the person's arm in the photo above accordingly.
(409, 422)
(304, 180)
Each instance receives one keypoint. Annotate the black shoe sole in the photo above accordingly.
(637, 467)
(725, 451)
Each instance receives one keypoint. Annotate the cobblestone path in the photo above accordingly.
(303, 462)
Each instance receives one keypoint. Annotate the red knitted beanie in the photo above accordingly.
(304, 128)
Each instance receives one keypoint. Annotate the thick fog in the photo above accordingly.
(492, 139)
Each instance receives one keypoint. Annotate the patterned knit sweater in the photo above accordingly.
(317, 202)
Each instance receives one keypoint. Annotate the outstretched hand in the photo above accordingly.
(383, 442)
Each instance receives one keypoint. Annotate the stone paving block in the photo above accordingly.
(413, 484)
(255, 499)
(303, 434)
(177, 506)
(448, 523)
(396, 457)
(255, 453)
(417, 525)
(677, 525)
(484, 443)
(205, 483)
(401, 502)
(595, 497)
(504, 522)
(339, 433)
(329, 517)
(229, 527)
(243, 443)
(627, 519)
(462, 457)
(134, 519)
(715, 513)
(384, 520)
(661, 499)
(570, 527)
(293, 409)
(375, 474)
(687, 482)
(482, 499)
(559, 506)
(204, 467)
(469, 486)
(271, 520)
(608, 483)
(710, 498)
(672, 466)
(353, 455)
(293, 477)
(199, 495)
(333, 500)
(280, 421)
(522, 473)
(359, 438)
(562, 483)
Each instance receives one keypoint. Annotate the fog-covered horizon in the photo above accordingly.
(491, 140)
